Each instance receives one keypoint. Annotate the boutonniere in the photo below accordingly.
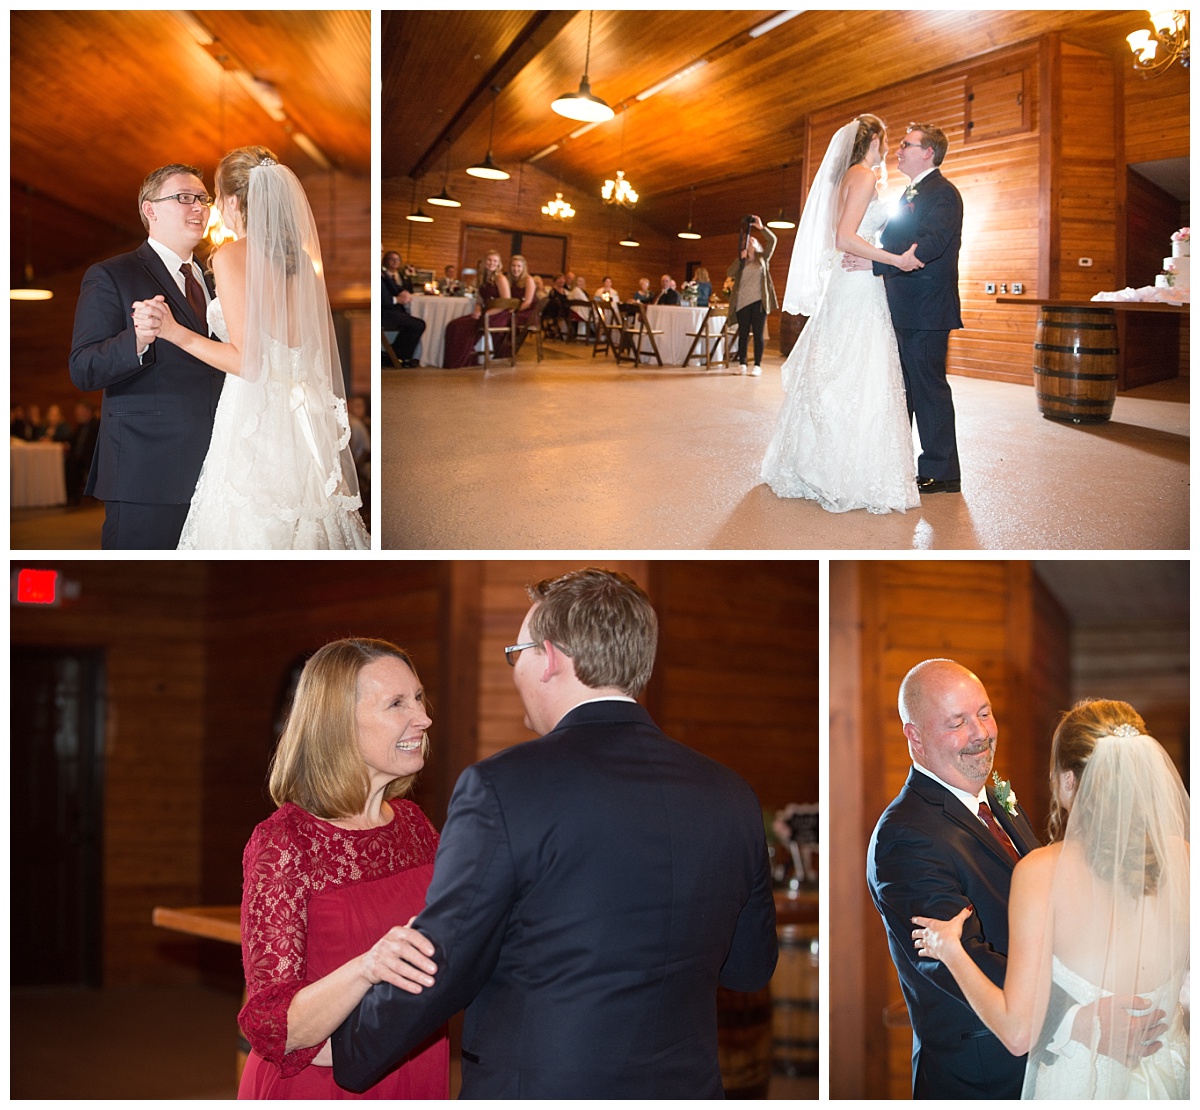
(1004, 794)
(909, 193)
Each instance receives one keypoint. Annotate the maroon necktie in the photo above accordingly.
(193, 292)
(998, 834)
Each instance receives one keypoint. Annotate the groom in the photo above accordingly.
(945, 841)
(158, 407)
(924, 303)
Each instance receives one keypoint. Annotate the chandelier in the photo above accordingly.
(619, 191)
(558, 209)
(1171, 33)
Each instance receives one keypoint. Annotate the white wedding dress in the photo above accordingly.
(843, 437)
(262, 486)
(1079, 1074)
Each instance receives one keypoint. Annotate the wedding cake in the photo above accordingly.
(1178, 268)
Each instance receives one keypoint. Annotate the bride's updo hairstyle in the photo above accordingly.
(1074, 741)
(233, 174)
(869, 127)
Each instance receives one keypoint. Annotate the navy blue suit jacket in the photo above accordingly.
(591, 890)
(157, 415)
(926, 299)
(929, 857)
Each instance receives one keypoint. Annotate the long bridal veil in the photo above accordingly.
(291, 430)
(1119, 920)
(813, 252)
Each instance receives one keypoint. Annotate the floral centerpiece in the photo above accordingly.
(688, 292)
(727, 289)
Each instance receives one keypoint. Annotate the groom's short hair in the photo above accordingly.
(154, 181)
(935, 140)
(604, 621)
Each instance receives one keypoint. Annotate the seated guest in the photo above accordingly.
(525, 288)
(78, 460)
(606, 292)
(448, 283)
(668, 294)
(57, 429)
(557, 312)
(703, 286)
(397, 315)
(19, 426)
(643, 295)
(360, 442)
(578, 293)
(35, 420)
(463, 333)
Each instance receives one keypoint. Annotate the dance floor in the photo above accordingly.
(579, 454)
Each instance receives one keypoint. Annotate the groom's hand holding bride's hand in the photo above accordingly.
(156, 314)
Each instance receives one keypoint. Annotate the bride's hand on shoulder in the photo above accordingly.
(909, 260)
(934, 939)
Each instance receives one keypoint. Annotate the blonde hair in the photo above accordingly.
(233, 174)
(318, 764)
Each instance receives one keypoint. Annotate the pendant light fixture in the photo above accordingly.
(28, 291)
(583, 105)
(444, 199)
(690, 234)
(558, 209)
(629, 240)
(488, 169)
(617, 190)
(416, 215)
(781, 221)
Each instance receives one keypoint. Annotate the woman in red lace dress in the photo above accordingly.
(333, 877)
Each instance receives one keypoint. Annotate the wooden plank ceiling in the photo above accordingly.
(717, 139)
(100, 98)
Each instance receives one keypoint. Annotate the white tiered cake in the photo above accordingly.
(1178, 268)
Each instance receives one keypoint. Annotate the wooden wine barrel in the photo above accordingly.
(744, 1042)
(796, 1000)
(1075, 364)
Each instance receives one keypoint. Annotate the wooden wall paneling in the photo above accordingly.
(146, 618)
(1157, 114)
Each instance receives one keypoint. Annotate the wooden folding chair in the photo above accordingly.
(488, 329)
(635, 329)
(607, 321)
(711, 340)
(534, 328)
(390, 351)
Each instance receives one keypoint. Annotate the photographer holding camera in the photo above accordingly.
(752, 297)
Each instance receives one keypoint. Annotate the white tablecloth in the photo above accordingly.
(675, 321)
(437, 312)
(38, 475)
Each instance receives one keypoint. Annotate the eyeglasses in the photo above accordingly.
(511, 653)
(906, 144)
(186, 199)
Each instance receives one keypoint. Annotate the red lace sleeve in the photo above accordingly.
(275, 895)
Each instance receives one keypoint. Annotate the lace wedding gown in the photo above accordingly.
(843, 437)
(1078, 1074)
(262, 486)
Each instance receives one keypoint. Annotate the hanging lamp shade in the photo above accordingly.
(444, 199)
(487, 169)
(416, 215)
(584, 105)
(781, 221)
(690, 234)
(29, 291)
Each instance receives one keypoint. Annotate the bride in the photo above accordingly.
(843, 437)
(278, 473)
(1100, 913)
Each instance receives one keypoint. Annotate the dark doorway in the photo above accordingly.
(57, 740)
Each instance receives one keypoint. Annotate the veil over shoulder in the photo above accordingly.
(279, 472)
(1119, 922)
(813, 250)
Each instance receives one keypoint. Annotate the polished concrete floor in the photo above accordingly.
(153, 1043)
(578, 454)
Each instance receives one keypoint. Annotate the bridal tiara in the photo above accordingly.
(268, 162)
(1126, 730)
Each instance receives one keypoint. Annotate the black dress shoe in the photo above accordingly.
(939, 485)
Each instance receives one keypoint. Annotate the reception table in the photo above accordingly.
(38, 474)
(437, 312)
(675, 322)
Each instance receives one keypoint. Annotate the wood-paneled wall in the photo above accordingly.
(592, 234)
(885, 617)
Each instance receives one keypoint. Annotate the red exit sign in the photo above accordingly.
(37, 587)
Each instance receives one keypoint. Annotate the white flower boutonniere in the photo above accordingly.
(910, 192)
(1004, 794)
